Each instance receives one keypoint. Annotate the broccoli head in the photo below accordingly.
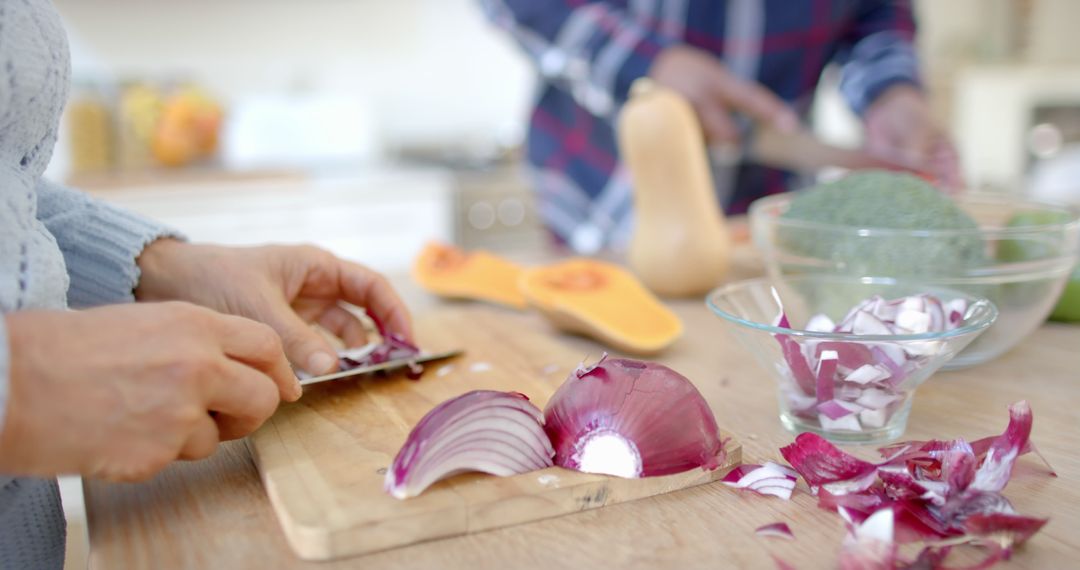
(882, 200)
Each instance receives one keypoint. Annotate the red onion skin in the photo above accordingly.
(649, 404)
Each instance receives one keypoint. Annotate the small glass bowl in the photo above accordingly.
(877, 410)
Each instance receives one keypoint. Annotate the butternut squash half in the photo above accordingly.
(602, 301)
(449, 272)
(680, 245)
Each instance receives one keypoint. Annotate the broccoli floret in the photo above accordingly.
(887, 200)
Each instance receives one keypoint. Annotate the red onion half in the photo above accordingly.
(630, 418)
(484, 430)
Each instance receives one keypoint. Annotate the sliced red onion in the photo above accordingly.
(631, 419)
(488, 431)
(826, 372)
(800, 370)
(768, 479)
(775, 530)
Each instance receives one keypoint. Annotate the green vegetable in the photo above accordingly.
(1017, 249)
(1068, 306)
(883, 200)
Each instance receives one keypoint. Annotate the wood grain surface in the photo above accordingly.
(215, 513)
(323, 458)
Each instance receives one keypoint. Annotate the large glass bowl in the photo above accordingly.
(878, 409)
(1021, 268)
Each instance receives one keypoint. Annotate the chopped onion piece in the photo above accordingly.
(825, 375)
(867, 374)
(844, 423)
(631, 419)
(870, 545)
(876, 399)
(867, 323)
(775, 530)
(768, 479)
(836, 409)
(873, 418)
(912, 321)
(493, 432)
(820, 323)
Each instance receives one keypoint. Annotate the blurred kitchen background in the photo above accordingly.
(370, 126)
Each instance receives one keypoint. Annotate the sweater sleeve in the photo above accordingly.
(593, 50)
(881, 54)
(100, 244)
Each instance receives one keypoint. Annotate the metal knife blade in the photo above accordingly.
(802, 151)
(799, 151)
(388, 365)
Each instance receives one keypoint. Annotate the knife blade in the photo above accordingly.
(388, 365)
(799, 151)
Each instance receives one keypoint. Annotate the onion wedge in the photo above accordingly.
(488, 431)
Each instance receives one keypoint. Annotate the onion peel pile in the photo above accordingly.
(630, 418)
(484, 430)
(931, 491)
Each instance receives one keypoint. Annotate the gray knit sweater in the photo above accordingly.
(57, 247)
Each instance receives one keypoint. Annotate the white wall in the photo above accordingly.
(430, 69)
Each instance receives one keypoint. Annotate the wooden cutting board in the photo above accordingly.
(323, 459)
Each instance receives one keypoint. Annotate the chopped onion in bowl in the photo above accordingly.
(856, 386)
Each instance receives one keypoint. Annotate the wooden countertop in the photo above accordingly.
(215, 514)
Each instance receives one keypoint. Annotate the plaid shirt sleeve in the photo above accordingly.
(592, 50)
(881, 53)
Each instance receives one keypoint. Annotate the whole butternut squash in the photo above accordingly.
(680, 245)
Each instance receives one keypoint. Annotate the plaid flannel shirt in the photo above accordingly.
(589, 53)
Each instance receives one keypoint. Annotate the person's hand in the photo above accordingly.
(900, 128)
(716, 93)
(286, 287)
(118, 392)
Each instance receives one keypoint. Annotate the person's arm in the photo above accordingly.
(880, 54)
(881, 83)
(595, 50)
(100, 243)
